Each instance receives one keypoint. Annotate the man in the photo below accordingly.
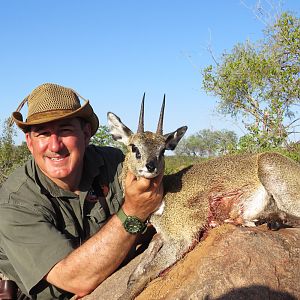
(52, 208)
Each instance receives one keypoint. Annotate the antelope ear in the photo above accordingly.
(174, 137)
(118, 130)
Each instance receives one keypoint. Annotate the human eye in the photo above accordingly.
(41, 133)
(66, 130)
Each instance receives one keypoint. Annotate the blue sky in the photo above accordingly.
(113, 51)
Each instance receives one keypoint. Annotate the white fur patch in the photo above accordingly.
(118, 129)
(255, 204)
(160, 210)
(145, 173)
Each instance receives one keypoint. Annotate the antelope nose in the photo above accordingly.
(150, 166)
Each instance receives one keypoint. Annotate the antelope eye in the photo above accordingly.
(135, 150)
(138, 154)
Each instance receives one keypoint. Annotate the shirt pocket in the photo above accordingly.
(114, 199)
(97, 215)
(71, 231)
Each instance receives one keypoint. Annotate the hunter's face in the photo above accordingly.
(58, 148)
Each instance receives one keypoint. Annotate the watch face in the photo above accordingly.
(134, 225)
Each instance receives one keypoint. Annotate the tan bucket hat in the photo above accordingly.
(50, 102)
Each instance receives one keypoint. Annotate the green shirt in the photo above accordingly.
(40, 223)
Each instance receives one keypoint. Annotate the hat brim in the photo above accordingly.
(85, 112)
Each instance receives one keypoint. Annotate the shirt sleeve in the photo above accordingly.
(31, 242)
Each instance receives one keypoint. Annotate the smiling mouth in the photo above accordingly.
(56, 158)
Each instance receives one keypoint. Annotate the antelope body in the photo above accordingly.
(241, 189)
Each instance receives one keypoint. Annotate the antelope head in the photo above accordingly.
(145, 157)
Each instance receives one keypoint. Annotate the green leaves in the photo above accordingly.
(11, 156)
(207, 143)
(260, 82)
(104, 138)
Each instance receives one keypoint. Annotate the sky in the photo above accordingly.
(112, 51)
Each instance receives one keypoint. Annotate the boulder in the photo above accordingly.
(231, 263)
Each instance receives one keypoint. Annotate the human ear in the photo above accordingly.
(87, 133)
(29, 141)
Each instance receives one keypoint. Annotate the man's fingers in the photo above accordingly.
(130, 178)
(144, 184)
(157, 180)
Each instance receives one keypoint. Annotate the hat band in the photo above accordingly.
(48, 115)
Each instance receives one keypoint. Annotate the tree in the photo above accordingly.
(11, 156)
(260, 82)
(207, 143)
(104, 138)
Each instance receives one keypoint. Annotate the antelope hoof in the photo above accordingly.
(275, 225)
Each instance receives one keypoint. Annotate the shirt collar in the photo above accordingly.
(91, 167)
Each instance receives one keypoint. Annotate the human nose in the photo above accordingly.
(55, 143)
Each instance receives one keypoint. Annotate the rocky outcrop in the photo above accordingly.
(231, 263)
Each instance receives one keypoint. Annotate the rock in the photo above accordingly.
(231, 263)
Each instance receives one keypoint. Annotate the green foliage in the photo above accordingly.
(11, 156)
(292, 151)
(104, 138)
(260, 82)
(207, 143)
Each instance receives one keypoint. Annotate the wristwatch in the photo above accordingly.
(131, 224)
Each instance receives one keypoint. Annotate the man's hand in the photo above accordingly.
(142, 196)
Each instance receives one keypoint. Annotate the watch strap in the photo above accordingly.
(131, 224)
(121, 215)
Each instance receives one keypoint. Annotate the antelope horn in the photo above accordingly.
(141, 119)
(161, 118)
